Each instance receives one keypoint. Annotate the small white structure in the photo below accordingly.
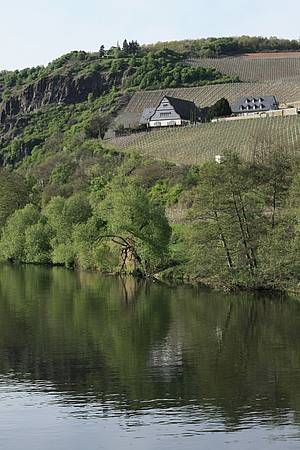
(219, 159)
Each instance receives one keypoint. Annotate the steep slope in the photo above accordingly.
(57, 89)
(257, 67)
(200, 143)
(286, 93)
(82, 92)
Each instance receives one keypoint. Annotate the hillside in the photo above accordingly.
(71, 197)
(83, 91)
(200, 143)
(79, 95)
(228, 46)
(255, 67)
(286, 93)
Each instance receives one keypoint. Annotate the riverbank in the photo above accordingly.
(240, 228)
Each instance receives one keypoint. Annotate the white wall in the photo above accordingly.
(164, 123)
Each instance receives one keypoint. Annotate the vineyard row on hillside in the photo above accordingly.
(264, 69)
(199, 143)
(285, 93)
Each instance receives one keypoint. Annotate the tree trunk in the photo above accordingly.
(224, 243)
(248, 231)
(244, 239)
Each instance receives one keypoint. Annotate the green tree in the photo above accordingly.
(229, 215)
(13, 193)
(125, 47)
(62, 215)
(102, 51)
(221, 108)
(13, 242)
(97, 126)
(37, 244)
(273, 170)
(135, 224)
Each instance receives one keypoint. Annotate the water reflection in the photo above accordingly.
(195, 362)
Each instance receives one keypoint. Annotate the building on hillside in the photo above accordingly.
(171, 112)
(246, 105)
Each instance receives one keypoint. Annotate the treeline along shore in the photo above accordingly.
(70, 197)
(106, 211)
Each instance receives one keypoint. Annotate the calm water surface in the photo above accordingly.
(90, 363)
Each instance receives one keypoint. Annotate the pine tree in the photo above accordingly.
(125, 48)
(102, 51)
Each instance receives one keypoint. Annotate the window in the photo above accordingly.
(165, 114)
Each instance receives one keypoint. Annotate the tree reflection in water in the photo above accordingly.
(129, 345)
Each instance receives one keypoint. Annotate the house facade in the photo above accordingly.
(249, 105)
(171, 111)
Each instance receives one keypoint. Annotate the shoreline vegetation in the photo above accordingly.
(239, 230)
(69, 200)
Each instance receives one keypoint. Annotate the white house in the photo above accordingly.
(171, 112)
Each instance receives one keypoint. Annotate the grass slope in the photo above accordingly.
(200, 143)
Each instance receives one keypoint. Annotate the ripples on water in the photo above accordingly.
(87, 365)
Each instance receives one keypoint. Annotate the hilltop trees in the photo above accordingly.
(102, 51)
(130, 48)
(167, 68)
(221, 46)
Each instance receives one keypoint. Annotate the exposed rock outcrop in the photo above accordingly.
(58, 89)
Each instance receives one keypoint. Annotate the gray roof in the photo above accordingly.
(146, 116)
(183, 107)
(254, 104)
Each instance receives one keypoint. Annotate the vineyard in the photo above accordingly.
(199, 143)
(254, 69)
(285, 93)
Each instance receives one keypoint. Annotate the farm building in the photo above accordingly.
(171, 111)
(246, 105)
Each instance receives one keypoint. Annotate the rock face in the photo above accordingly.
(59, 89)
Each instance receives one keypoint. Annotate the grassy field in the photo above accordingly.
(200, 143)
(285, 93)
(254, 69)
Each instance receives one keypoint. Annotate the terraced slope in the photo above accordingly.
(254, 69)
(285, 92)
(200, 143)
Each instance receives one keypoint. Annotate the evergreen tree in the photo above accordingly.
(125, 47)
(102, 51)
(133, 47)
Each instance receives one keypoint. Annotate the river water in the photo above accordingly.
(90, 362)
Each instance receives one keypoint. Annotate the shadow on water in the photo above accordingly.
(136, 346)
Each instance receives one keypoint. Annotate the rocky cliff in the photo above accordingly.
(58, 89)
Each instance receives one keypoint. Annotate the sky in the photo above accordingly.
(34, 32)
